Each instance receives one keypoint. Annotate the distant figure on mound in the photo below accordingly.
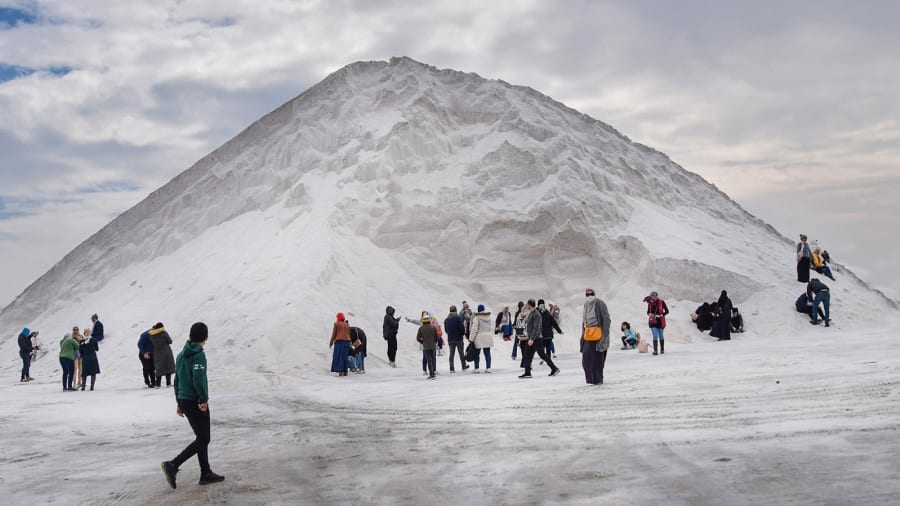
(819, 294)
(357, 357)
(737, 321)
(721, 327)
(456, 331)
(629, 337)
(656, 319)
(595, 324)
(804, 305)
(481, 335)
(389, 331)
(26, 348)
(145, 354)
(340, 345)
(97, 329)
(192, 400)
(804, 257)
(163, 358)
(820, 265)
(427, 337)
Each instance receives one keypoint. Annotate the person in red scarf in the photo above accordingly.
(656, 316)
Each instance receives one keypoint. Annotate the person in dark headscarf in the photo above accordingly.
(721, 327)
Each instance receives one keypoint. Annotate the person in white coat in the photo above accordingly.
(481, 334)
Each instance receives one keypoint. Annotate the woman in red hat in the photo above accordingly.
(340, 343)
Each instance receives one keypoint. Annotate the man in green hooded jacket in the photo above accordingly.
(192, 398)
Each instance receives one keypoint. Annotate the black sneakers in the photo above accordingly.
(170, 471)
(525, 376)
(554, 372)
(211, 477)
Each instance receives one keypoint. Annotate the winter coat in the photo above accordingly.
(657, 312)
(629, 335)
(802, 304)
(595, 314)
(163, 359)
(340, 331)
(391, 325)
(97, 331)
(25, 345)
(89, 362)
(548, 324)
(67, 347)
(721, 327)
(427, 336)
(534, 326)
(145, 345)
(455, 328)
(190, 374)
(357, 333)
(482, 330)
(815, 286)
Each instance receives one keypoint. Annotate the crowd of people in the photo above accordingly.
(77, 355)
(816, 300)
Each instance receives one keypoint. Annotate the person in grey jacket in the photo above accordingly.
(535, 342)
(593, 354)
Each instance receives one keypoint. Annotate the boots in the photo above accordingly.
(662, 346)
(654, 348)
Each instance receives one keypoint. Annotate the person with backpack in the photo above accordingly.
(656, 317)
(192, 401)
(456, 331)
(389, 331)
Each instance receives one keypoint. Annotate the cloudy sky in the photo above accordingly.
(792, 108)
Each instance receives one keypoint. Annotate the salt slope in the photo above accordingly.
(398, 183)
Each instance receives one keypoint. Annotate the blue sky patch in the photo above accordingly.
(10, 17)
(16, 208)
(10, 72)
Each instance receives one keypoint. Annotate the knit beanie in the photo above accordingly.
(480, 308)
(199, 332)
(340, 317)
(26, 331)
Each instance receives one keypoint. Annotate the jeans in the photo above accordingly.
(358, 361)
(457, 347)
(26, 364)
(430, 359)
(487, 358)
(516, 345)
(199, 421)
(657, 333)
(68, 372)
(823, 296)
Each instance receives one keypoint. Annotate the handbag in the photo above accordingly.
(593, 334)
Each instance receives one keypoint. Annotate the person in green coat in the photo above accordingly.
(67, 348)
(90, 366)
(192, 400)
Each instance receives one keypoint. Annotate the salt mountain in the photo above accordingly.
(398, 183)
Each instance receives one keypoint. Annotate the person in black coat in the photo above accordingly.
(548, 325)
(389, 331)
(804, 305)
(455, 329)
(358, 350)
(721, 327)
(25, 349)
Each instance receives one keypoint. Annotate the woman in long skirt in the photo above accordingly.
(340, 344)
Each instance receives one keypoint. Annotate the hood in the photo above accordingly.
(190, 349)
(389, 311)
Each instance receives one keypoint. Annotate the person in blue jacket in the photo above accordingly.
(25, 349)
(145, 354)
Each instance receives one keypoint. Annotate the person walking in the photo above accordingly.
(548, 325)
(25, 349)
(656, 316)
(534, 342)
(721, 327)
(163, 358)
(482, 336)
(90, 364)
(804, 257)
(340, 344)
(389, 331)
(68, 346)
(145, 354)
(817, 292)
(455, 330)
(593, 353)
(427, 337)
(192, 401)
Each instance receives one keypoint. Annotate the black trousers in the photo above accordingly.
(392, 349)
(168, 380)
(803, 270)
(457, 347)
(199, 421)
(430, 357)
(592, 361)
(539, 348)
(149, 369)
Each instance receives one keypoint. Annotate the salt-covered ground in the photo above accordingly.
(806, 416)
